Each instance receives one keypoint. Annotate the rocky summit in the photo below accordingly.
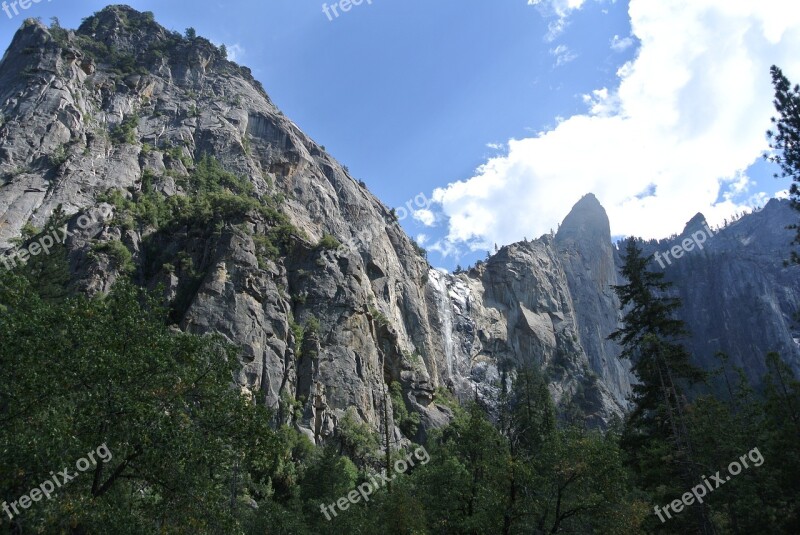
(121, 131)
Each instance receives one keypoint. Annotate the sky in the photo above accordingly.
(490, 120)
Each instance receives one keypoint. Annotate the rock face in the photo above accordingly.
(324, 328)
(738, 296)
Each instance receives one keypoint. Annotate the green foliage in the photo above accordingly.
(125, 132)
(190, 34)
(183, 443)
(408, 422)
(378, 317)
(783, 139)
(190, 453)
(214, 196)
(120, 256)
(59, 34)
(177, 154)
(291, 407)
(444, 397)
(28, 231)
(656, 437)
(356, 439)
(468, 469)
(312, 326)
(328, 242)
(48, 273)
(419, 249)
(298, 332)
(58, 157)
(302, 333)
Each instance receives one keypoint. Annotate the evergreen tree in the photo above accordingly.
(785, 138)
(656, 429)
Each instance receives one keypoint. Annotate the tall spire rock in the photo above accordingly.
(587, 221)
(584, 245)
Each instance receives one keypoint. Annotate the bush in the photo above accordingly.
(120, 256)
(408, 422)
(125, 132)
(297, 332)
(378, 316)
(58, 157)
(328, 242)
(419, 249)
(357, 439)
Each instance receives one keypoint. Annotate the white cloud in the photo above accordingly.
(235, 52)
(619, 44)
(602, 103)
(686, 119)
(560, 8)
(563, 54)
(425, 216)
(446, 248)
(496, 146)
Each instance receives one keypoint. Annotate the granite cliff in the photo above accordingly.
(209, 194)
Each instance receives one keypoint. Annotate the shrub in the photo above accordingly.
(298, 332)
(29, 231)
(119, 254)
(328, 242)
(357, 440)
(419, 249)
(378, 316)
(125, 132)
(408, 422)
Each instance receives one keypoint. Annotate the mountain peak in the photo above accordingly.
(696, 223)
(587, 218)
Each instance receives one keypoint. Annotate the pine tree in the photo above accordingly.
(656, 428)
(784, 140)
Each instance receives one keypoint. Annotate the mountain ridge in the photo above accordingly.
(227, 205)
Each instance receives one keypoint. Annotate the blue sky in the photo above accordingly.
(417, 97)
